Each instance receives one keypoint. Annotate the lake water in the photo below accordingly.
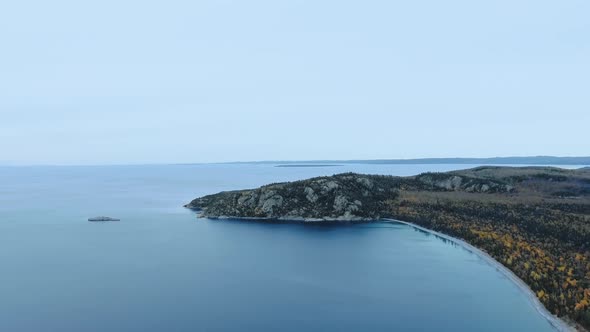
(161, 269)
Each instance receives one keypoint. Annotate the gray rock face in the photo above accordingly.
(340, 203)
(329, 186)
(310, 195)
(271, 203)
(343, 205)
(450, 182)
(447, 183)
(345, 197)
(248, 199)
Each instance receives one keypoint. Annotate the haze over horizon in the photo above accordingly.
(218, 81)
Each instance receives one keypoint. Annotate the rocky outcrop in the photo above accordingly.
(454, 182)
(344, 197)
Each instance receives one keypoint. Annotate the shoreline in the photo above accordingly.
(558, 323)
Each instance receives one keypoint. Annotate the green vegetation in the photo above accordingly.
(534, 220)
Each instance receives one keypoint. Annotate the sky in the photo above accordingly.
(133, 82)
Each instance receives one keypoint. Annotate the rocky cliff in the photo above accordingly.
(344, 197)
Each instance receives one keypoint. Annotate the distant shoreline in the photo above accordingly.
(307, 165)
(581, 161)
(515, 160)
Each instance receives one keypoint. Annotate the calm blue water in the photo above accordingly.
(161, 269)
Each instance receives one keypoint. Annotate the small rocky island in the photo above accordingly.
(102, 218)
(533, 220)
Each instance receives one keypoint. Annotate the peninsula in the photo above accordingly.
(533, 220)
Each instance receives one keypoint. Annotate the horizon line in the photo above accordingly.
(561, 160)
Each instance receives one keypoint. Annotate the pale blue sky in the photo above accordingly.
(198, 81)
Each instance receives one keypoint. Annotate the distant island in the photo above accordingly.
(532, 160)
(533, 220)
